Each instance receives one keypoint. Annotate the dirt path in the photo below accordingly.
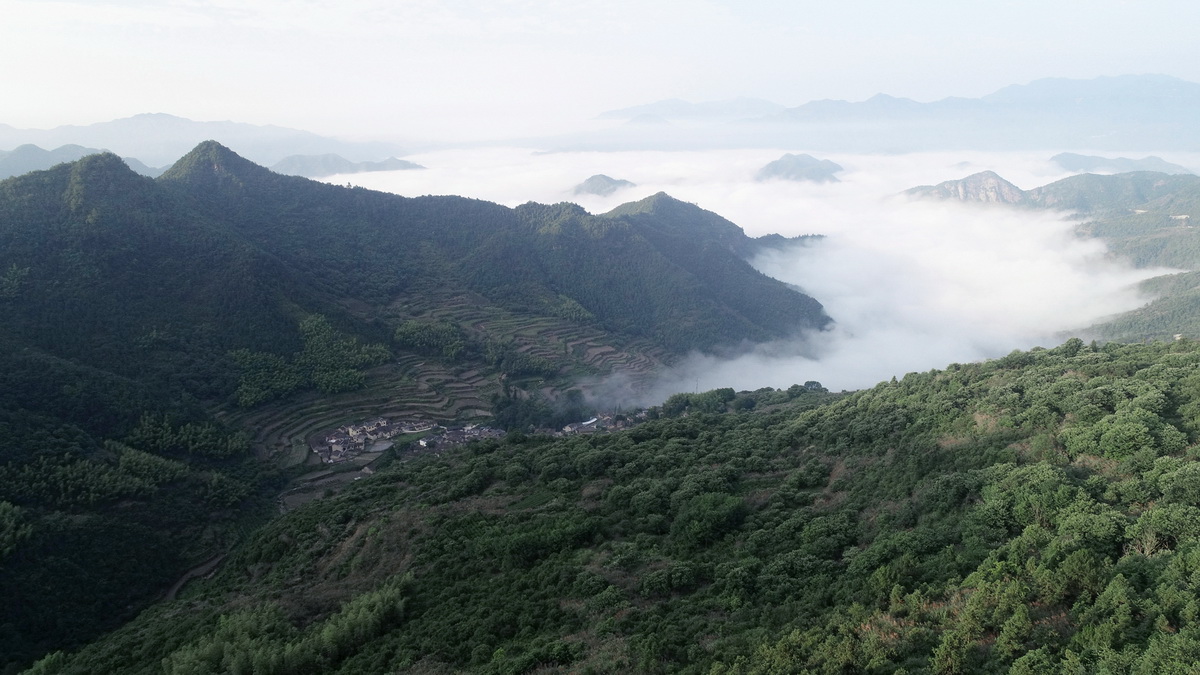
(200, 571)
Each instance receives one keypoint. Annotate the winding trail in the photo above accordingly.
(202, 570)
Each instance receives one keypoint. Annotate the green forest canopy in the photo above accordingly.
(1035, 513)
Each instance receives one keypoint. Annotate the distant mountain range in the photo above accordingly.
(1146, 112)
(1138, 109)
(1154, 112)
(1088, 194)
(28, 157)
(320, 166)
(159, 139)
(1092, 164)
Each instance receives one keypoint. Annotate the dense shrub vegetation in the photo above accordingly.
(1029, 514)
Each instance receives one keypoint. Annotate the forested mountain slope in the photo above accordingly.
(1036, 513)
(375, 247)
(136, 309)
(220, 254)
(164, 280)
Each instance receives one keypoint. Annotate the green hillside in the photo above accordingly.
(1098, 194)
(169, 280)
(375, 247)
(1031, 514)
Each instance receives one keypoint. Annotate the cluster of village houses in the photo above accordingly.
(347, 442)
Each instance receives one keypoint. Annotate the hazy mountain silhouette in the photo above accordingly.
(159, 139)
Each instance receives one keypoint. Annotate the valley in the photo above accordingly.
(470, 346)
(512, 338)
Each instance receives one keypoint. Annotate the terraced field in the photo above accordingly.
(415, 387)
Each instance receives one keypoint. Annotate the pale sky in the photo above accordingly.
(474, 69)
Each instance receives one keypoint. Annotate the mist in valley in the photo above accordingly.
(911, 285)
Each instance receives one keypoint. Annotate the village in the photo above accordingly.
(352, 440)
(348, 442)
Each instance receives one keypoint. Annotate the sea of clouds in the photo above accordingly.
(911, 285)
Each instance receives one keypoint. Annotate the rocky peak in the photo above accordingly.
(985, 186)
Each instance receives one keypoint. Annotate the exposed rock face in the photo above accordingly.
(800, 168)
(601, 185)
(985, 186)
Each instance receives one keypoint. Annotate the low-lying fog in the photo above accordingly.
(911, 285)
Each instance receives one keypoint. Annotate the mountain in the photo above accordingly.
(601, 185)
(170, 345)
(1093, 164)
(1121, 92)
(26, 158)
(512, 256)
(1152, 112)
(319, 166)
(800, 168)
(878, 107)
(1122, 111)
(1107, 196)
(1087, 194)
(159, 139)
(985, 187)
(116, 476)
(1022, 515)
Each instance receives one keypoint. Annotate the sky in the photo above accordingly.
(426, 70)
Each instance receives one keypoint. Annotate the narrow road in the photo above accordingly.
(200, 571)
